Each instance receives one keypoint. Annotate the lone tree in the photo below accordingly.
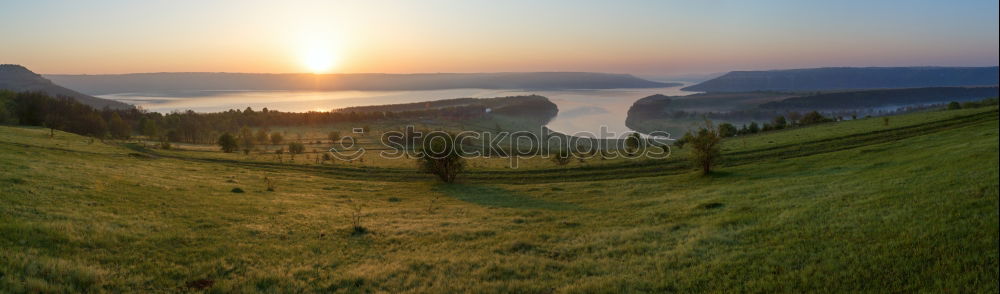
(706, 148)
(228, 143)
(440, 156)
(296, 148)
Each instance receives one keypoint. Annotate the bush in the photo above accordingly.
(813, 118)
(563, 157)
(228, 143)
(954, 105)
(296, 148)
(683, 140)
(727, 130)
(440, 156)
(277, 138)
(633, 143)
(270, 184)
(779, 122)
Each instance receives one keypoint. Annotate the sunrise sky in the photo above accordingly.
(640, 37)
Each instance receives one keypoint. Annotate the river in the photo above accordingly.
(579, 110)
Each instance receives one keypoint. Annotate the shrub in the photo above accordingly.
(813, 118)
(954, 105)
(633, 143)
(356, 215)
(563, 157)
(727, 130)
(246, 140)
(277, 138)
(164, 144)
(683, 140)
(270, 184)
(296, 148)
(440, 156)
(779, 122)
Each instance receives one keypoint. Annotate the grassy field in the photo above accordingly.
(840, 207)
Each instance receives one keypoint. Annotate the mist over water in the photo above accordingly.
(579, 110)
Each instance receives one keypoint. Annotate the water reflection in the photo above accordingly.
(579, 110)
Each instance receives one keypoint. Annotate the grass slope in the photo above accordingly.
(838, 207)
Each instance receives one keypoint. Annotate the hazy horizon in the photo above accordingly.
(669, 38)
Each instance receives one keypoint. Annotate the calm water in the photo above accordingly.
(579, 110)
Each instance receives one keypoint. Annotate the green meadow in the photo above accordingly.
(856, 206)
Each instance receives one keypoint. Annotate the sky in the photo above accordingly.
(638, 37)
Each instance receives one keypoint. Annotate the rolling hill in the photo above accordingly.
(856, 206)
(840, 78)
(882, 98)
(19, 79)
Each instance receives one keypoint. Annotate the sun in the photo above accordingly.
(319, 59)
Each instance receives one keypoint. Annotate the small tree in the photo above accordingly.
(228, 143)
(261, 137)
(246, 139)
(706, 148)
(684, 140)
(727, 130)
(753, 128)
(813, 117)
(148, 128)
(794, 117)
(563, 157)
(779, 122)
(118, 128)
(633, 143)
(954, 105)
(440, 156)
(296, 148)
(333, 136)
(277, 138)
(278, 153)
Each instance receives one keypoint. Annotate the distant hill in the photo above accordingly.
(19, 79)
(841, 78)
(677, 113)
(165, 82)
(882, 98)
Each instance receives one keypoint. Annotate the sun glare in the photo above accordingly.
(319, 59)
